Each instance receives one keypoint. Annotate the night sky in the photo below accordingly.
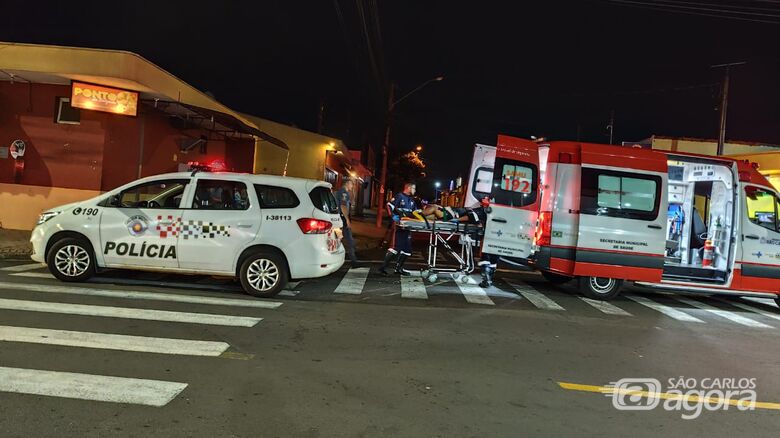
(551, 68)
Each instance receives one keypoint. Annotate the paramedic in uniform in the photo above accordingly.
(403, 238)
(488, 263)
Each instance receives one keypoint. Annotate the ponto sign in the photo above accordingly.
(17, 149)
(107, 99)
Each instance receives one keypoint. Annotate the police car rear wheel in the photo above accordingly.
(71, 259)
(600, 288)
(263, 274)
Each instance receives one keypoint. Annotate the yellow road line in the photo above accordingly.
(666, 396)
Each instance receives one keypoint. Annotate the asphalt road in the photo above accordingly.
(360, 355)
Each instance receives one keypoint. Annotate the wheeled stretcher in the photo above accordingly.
(445, 236)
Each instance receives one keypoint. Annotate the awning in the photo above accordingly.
(209, 120)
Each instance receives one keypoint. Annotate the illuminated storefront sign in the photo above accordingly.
(106, 99)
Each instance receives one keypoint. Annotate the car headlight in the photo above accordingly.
(47, 215)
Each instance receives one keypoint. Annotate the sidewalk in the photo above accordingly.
(15, 244)
(368, 238)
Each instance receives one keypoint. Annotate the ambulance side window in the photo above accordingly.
(515, 183)
(762, 208)
(620, 194)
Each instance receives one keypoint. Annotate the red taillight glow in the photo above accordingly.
(314, 226)
(543, 235)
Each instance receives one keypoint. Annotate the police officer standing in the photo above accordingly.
(403, 238)
(345, 205)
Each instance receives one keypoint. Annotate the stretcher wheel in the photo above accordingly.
(432, 278)
(465, 279)
(424, 273)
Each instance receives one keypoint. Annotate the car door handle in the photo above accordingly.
(751, 236)
(244, 225)
(499, 220)
(654, 226)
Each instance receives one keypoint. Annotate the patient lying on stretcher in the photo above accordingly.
(435, 212)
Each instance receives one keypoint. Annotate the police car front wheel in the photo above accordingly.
(71, 259)
(600, 288)
(263, 274)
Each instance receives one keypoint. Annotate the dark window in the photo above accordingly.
(215, 194)
(276, 197)
(483, 180)
(156, 194)
(323, 200)
(762, 208)
(66, 114)
(515, 184)
(620, 194)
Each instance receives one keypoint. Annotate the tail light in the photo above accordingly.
(314, 226)
(543, 234)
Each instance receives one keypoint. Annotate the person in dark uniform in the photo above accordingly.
(403, 238)
(344, 199)
(488, 263)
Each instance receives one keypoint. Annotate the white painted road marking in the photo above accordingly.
(473, 293)
(731, 316)
(413, 287)
(535, 297)
(129, 313)
(112, 341)
(353, 282)
(20, 268)
(605, 307)
(89, 386)
(750, 308)
(33, 275)
(140, 295)
(289, 293)
(666, 310)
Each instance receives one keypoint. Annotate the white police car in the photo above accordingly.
(262, 229)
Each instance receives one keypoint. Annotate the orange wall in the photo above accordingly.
(102, 152)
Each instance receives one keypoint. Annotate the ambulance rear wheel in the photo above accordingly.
(556, 278)
(600, 288)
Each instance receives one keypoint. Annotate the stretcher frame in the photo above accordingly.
(443, 236)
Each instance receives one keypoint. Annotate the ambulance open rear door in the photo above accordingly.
(514, 199)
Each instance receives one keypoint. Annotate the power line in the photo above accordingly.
(710, 7)
(667, 8)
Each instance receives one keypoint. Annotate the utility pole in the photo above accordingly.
(611, 125)
(724, 102)
(320, 116)
(380, 207)
(380, 203)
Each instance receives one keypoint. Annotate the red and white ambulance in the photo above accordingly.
(605, 214)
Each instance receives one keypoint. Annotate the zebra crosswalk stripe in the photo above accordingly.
(666, 310)
(130, 313)
(33, 274)
(535, 297)
(605, 307)
(413, 287)
(21, 268)
(752, 309)
(353, 282)
(140, 295)
(731, 316)
(108, 341)
(89, 386)
(473, 293)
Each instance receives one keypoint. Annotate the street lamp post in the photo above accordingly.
(388, 124)
(436, 186)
